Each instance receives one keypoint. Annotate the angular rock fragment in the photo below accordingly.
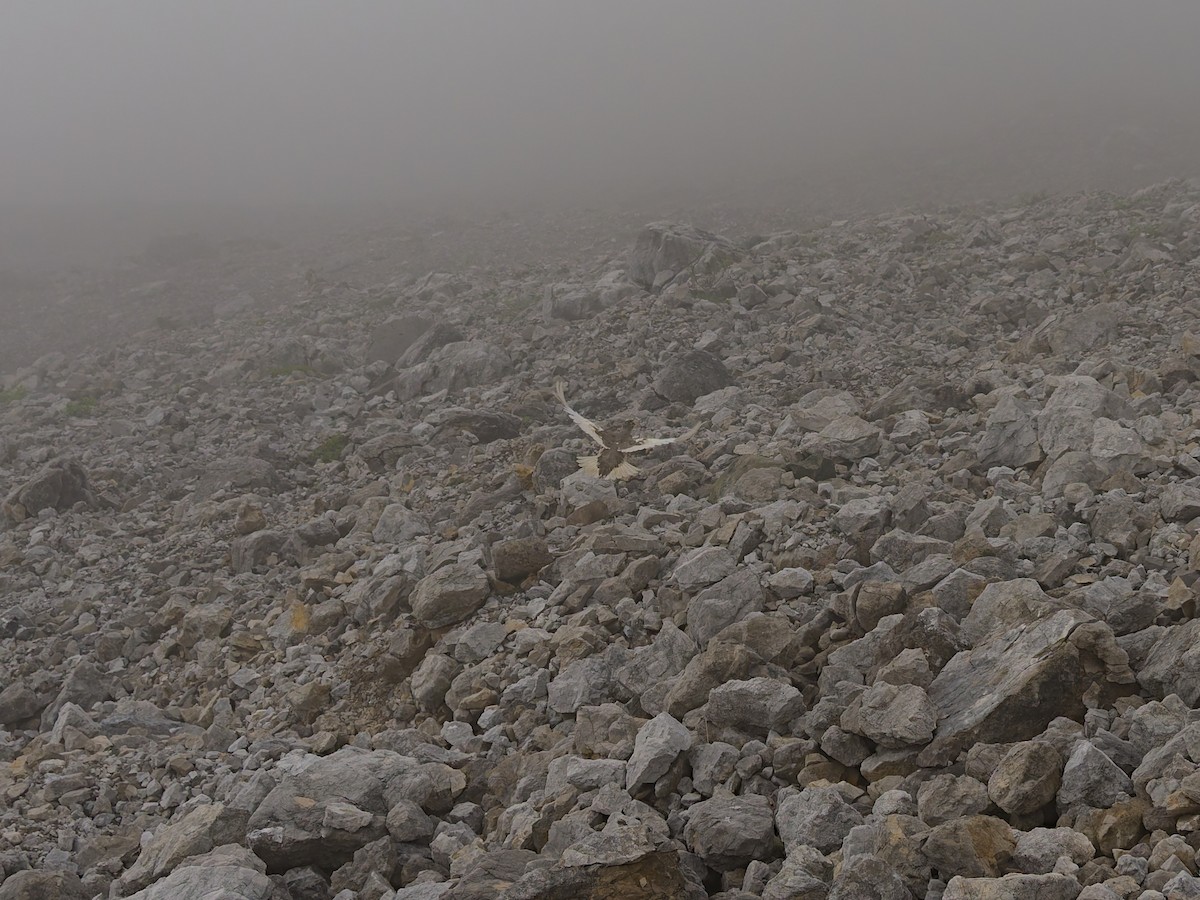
(449, 595)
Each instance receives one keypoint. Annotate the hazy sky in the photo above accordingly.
(161, 102)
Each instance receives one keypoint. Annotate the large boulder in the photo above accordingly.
(43, 884)
(449, 595)
(326, 808)
(393, 336)
(692, 375)
(729, 832)
(60, 485)
(1068, 420)
(201, 830)
(1012, 683)
(1010, 437)
(663, 250)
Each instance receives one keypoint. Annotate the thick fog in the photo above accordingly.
(111, 111)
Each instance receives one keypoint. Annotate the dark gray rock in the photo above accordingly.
(449, 595)
(326, 810)
(691, 375)
(1011, 684)
(1173, 664)
(729, 832)
(43, 884)
(60, 485)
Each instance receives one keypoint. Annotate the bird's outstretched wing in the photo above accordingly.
(651, 443)
(586, 425)
(648, 444)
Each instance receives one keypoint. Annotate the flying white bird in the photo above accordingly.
(616, 442)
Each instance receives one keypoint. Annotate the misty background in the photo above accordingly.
(122, 119)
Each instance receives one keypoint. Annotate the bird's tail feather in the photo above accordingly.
(591, 466)
(623, 471)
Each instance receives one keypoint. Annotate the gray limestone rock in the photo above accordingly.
(326, 809)
(755, 706)
(1026, 778)
(18, 703)
(1068, 420)
(1010, 437)
(712, 764)
(699, 568)
(1039, 849)
(390, 338)
(60, 485)
(816, 816)
(945, 797)
(209, 882)
(407, 822)
(449, 595)
(1051, 886)
(729, 832)
(584, 682)
(863, 518)
(972, 847)
(43, 884)
(665, 249)
(792, 582)
(659, 743)
(846, 437)
(692, 375)
(1173, 664)
(1180, 502)
(1091, 779)
(398, 525)
(892, 716)
(866, 877)
(517, 558)
(200, 831)
(728, 601)
(1012, 683)
(901, 550)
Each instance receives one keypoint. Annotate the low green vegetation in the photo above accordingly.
(331, 448)
(81, 406)
(13, 395)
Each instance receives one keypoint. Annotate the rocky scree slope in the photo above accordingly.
(314, 604)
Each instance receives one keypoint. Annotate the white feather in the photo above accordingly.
(623, 471)
(586, 425)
